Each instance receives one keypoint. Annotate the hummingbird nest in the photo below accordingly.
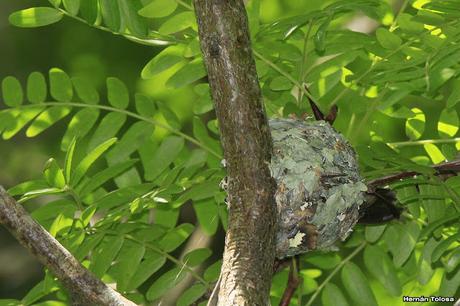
(319, 186)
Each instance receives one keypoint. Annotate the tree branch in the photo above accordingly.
(447, 168)
(250, 242)
(83, 286)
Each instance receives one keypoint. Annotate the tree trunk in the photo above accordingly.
(250, 242)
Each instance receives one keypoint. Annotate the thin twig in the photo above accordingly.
(292, 283)
(444, 168)
(334, 272)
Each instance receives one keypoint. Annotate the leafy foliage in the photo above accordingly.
(116, 173)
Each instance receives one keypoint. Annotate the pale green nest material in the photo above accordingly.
(319, 186)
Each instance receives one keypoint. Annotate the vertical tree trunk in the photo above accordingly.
(250, 242)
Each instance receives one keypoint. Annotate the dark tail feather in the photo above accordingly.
(380, 207)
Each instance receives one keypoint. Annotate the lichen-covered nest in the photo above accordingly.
(319, 186)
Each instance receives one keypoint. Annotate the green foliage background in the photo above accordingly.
(136, 165)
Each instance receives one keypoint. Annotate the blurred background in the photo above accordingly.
(81, 50)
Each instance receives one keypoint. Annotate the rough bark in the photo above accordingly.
(84, 287)
(249, 249)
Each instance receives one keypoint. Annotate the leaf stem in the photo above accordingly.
(334, 272)
(188, 6)
(422, 142)
(150, 42)
(133, 115)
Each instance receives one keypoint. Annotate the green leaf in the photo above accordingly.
(72, 6)
(166, 216)
(55, 3)
(117, 93)
(60, 85)
(145, 106)
(394, 97)
(443, 247)
(165, 282)
(36, 88)
(253, 10)
(85, 90)
(151, 263)
(280, 83)
(191, 295)
(86, 163)
(380, 267)
(135, 24)
(46, 119)
(53, 174)
(453, 261)
(191, 72)
(402, 247)
(448, 123)
(174, 238)
(12, 91)
(108, 128)
(128, 260)
(387, 39)
(163, 157)
(35, 17)
(123, 196)
(373, 233)
(62, 223)
(320, 36)
(332, 295)
(111, 14)
(200, 191)
(52, 209)
(449, 287)
(104, 254)
(177, 23)
(79, 126)
(415, 126)
(22, 117)
(169, 115)
(408, 25)
(104, 176)
(197, 256)
(425, 271)
(454, 96)
(434, 153)
(69, 160)
(24, 187)
(158, 9)
(357, 285)
(206, 213)
(89, 10)
(164, 60)
(133, 138)
(212, 272)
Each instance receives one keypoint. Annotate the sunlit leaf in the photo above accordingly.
(60, 85)
(35, 17)
(36, 88)
(46, 119)
(178, 23)
(117, 93)
(415, 126)
(158, 9)
(448, 123)
(12, 91)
